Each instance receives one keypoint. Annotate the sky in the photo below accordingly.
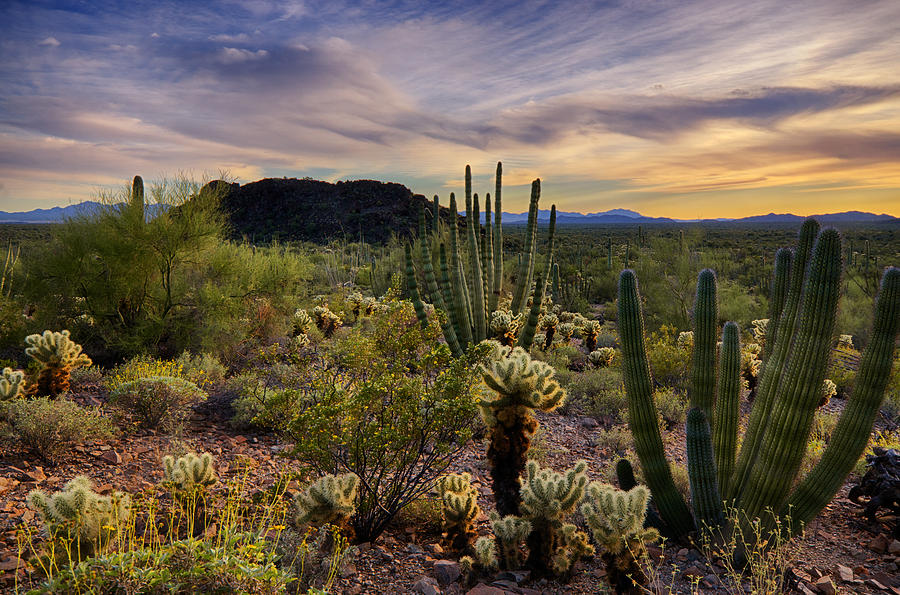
(678, 108)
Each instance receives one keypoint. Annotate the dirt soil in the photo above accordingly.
(841, 552)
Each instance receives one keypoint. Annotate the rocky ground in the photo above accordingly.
(841, 552)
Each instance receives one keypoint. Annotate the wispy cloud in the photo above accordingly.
(623, 103)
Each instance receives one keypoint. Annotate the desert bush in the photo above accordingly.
(158, 401)
(49, 428)
(203, 369)
(391, 405)
(599, 393)
(671, 405)
(668, 362)
(616, 439)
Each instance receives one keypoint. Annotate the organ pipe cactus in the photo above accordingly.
(798, 344)
(471, 286)
(518, 385)
(727, 411)
(58, 356)
(137, 199)
(703, 371)
(705, 499)
(12, 384)
(459, 507)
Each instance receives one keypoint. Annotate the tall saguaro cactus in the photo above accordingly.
(798, 344)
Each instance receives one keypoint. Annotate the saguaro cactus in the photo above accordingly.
(798, 343)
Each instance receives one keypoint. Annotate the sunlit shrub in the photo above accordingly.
(158, 401)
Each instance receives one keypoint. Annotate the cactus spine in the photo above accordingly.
(727, 411)
(703, 372)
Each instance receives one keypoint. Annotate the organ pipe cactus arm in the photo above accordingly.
(413, 288)
(705, 499)
(526, 337)
(642, 416)
(727, 411)
(703, 371)
(434, 293)
(526, 265)
(497, 243)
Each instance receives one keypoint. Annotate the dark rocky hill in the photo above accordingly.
(310, 210)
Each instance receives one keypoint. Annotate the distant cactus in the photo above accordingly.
(301, 322)
(190, 473)
(589, 331)
(760, 327)
(80, 517)
(58, 356)
(326, 320)
(459, 507)
(829, 389)
(505, 327)
(565, 331)
(685, 340)
(12, 384)
(355, 300)
(602, 358)
(616, 521)
(330, 499)
(548, 500)
(518, 386)
(549, 322)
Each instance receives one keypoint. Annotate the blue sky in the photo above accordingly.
(672, 108)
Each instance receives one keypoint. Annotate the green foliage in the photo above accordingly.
(240, 563)
(83, 521)
(389, 403)
(12, 384)
(189, 473)
(599, 393)
(671, 406)
(616, 521)
(669, 360)
(459, 507)
(158, 401)
(57, 355)
(50, 428)
(330, 499)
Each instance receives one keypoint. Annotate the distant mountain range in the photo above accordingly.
(313, 210)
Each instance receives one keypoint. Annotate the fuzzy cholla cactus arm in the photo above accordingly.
(12, 384)
(80, 516)
(58, 356)
(330, 499)
(548, 500)
(518, 385)
(616, 521)
(301, 321)
(190, 472)
(510, 532)
(459, 506)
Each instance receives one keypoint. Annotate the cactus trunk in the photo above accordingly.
(703, 372)
(727, 406)
(705, 498)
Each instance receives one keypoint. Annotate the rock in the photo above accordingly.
(825, 586)
(879, 545)
(426, 586)
(589, 422)
(874, 583)
(446, 571)
(11, 564)
(348, 570)
(804, 589)
(693, 571)
(112, 457)
(414, 549)
(434, 548)
(482, 589)
(37, 476)
(845, 573)
(894, 547)
(7, 483)
(682, 554)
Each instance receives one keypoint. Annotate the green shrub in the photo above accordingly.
(391, 405)
(671, 405)
(616, 439)
(668, 362)
(599, 393)
(241, 563)
(49, 428)
(204, 369)
(158, 401)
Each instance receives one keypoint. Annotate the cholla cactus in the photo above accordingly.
(750, 366)
(330, 499)
(548, 500)
(300, 340)
(510, 533)
(565, 331)
(485, 556)
(189, 473)
(602, 358)
(829, 389)
(685, 340)
(12, 384)
(505, 327)
(589, 331)
(459, 507)
(80, 517)
(567, 316)
(845, 342)
(302, 322)
(760, 328)
(549, 322)
(355, 300)
(616, 521)
(518, 386)
(58, 356)
(369, 305)
(326, 320)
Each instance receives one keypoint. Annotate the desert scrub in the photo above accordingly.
(598, 392)
(671, 406)
(203, 369)
(389, 404)
(616, 439)
(158, 401)
(669, 360)
(143, 366)
(50, 428)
